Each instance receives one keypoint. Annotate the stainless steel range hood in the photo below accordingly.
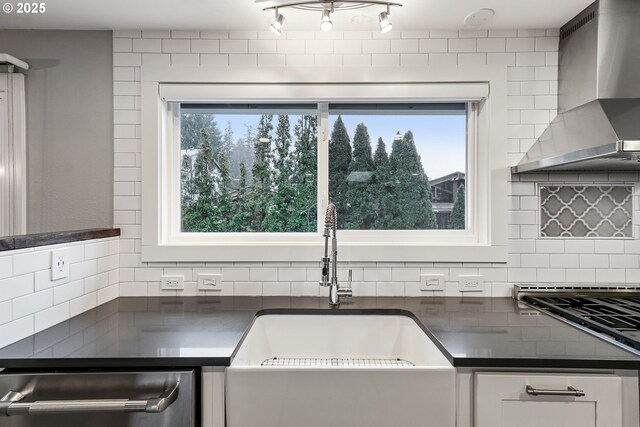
(598, 122)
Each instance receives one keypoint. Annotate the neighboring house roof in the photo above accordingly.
(451, 177)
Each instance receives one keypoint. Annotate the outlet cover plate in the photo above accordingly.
(432, 282)
(172, 283)
(471, 283)
(59, 263)
(209, 282)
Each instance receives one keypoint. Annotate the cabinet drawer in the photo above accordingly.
(547, 400)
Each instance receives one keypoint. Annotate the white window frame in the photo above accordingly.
(484, 86)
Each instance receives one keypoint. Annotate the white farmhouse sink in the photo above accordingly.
(308, 370)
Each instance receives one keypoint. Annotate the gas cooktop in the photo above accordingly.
(609, 310)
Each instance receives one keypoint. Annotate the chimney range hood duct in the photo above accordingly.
(598, 121)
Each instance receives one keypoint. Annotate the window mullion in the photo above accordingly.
(323, 161)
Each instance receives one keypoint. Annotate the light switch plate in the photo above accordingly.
(432, 282)
(172, 282)
(209, 282)
(59, 263)
(471, 283)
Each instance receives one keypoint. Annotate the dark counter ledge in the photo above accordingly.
(204, 331)
(24, 241)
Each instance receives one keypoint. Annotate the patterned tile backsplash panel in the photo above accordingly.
(586, 211)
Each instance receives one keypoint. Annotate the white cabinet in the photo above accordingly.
(502, 400)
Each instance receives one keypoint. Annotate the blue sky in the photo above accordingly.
(440, 139)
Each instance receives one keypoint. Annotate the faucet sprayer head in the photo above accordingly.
(330, 218)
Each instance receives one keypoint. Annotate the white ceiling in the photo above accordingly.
(247, 15)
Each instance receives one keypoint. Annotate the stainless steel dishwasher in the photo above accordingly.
(98, 399)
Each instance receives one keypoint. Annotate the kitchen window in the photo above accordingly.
(245, 171)
(254, 168)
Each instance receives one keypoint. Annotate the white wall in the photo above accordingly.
(531, 57)
(31, 302)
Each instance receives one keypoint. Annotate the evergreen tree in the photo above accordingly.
(222, 202)
(241, 216)
(199, 213)
(305, 178)
(190, 126)
(261, 188)
(242, 152)
(227, 140)
(412, 209)
(339, 159)
(359, 189)
(279, 205)
(457, 220)
(382, 188)
(186, 186)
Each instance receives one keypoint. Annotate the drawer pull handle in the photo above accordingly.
(570, 391)
(11, 404)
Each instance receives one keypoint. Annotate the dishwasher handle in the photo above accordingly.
(11, 404)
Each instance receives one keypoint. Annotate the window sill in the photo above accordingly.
(349, 252)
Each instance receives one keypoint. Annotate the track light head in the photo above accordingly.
(325, 22)
(385, 23)
(278, 22)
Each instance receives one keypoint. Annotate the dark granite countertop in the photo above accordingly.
(9, 243)
(204, 331)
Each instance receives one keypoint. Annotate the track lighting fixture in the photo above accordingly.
(276, 25)
(385, 23)
(327, 7)
(325, 22)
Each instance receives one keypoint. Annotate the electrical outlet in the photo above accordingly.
(209, 282)
(471, 283)
(59, 263)
(432, 282)
(172, 282)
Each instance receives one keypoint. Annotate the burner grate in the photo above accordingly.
(311, 362)
(617, 316)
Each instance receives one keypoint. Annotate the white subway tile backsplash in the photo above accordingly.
(6, 315)
(147, 45)
(185, 59)
(31, 261)
(247, 288)
(276, 288)
(6, 266)
(82, 304)
(531, 59)
(176, 46)
(390, 289)
(414, 59)
(405, 46)
(261, 46)
(32, 303)
(263, 274)
(376, 46)
(462, 45)
(51, 316)
(127, 59)
(214, 60)
(433, 45)
(16, 330)
(443, 59)
(14, 287)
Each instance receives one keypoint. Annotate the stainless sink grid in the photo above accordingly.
(299, 361)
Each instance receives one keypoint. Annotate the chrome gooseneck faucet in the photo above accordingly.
(330, 225)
